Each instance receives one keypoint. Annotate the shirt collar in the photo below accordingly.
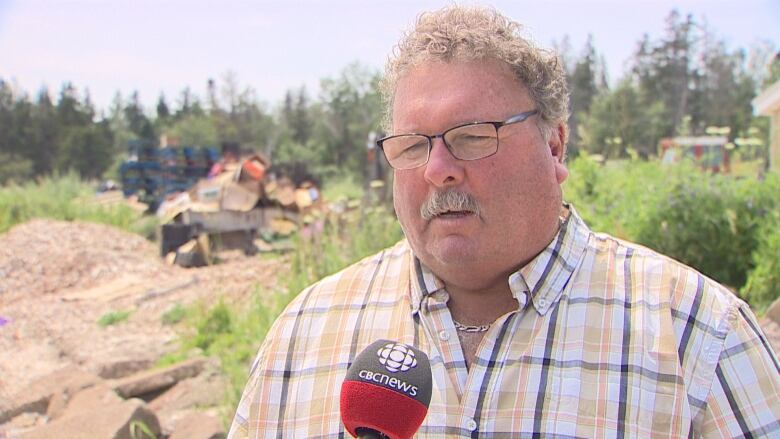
(545, 277)
(542, 280)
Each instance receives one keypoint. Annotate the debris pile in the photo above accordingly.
(241, 205)
(45, 256)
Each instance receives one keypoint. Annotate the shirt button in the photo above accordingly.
(471, 424)
(444, 335)
(542, 303)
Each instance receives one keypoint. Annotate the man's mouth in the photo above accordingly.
(454, 214)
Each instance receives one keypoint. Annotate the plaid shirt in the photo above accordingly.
(609, 340)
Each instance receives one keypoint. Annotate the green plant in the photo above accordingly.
(763, 283)
(66, 198)
(174, 315)
(711, 222)
(343, 240)
(342, 187)
(113, 318)
(139, 430)
(217, 321)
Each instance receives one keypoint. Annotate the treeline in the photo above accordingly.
(41, 135)
(682, 83)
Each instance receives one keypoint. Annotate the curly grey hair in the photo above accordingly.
(472, 33)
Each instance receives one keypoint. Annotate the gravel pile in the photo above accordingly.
(46, 256)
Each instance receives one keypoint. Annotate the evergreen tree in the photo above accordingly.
(663, 71)
(163, 112)
(137, 121)
(619, 121)
(43, 147)
(584, 86)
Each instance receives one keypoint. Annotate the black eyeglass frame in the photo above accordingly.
(518, 118)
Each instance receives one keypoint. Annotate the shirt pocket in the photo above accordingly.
(593, 402)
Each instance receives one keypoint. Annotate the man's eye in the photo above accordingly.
(415, 149)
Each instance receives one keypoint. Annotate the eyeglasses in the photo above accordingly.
(471, 141)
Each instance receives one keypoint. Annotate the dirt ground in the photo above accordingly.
(58, 278)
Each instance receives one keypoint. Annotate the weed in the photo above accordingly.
(113, 318)
(139, 430)
(174, 315)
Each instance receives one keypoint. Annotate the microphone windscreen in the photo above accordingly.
(387, 389)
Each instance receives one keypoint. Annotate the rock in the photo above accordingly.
(20, 424)
(120, 367)
(153, 381)
(204, 390)
(198, 425)
(773, 312)
(90, 399)
(114, 421)
(37, 397)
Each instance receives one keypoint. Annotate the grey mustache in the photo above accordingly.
(446, 201)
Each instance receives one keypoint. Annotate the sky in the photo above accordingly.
(163, 46)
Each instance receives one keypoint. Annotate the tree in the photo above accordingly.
(663, 70)
(163, 112)
(43, 147)
(137, 121)
(296, 115)
(584, 85)
(723, 90)
(621, 120)
(351, 109)
(195, 129)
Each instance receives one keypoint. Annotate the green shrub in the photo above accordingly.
(710, 222)
(615, 197)
(763, 283)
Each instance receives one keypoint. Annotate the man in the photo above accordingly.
(535, 326)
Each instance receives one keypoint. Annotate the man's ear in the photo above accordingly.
(557, 144)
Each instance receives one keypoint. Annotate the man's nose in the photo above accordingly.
(443, 169)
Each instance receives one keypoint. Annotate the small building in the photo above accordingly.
(768, 104)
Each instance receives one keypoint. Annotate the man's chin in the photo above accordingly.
(453, 251)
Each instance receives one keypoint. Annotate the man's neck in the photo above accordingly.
(480, 307)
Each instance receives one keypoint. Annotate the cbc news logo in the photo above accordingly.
(397, 357)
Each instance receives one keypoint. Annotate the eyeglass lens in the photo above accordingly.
(470, 142)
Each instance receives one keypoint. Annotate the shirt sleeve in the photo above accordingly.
(744, 398)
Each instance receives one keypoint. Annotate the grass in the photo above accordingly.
(113, 318)
(62, 198)
(174, 315)
(341, 189)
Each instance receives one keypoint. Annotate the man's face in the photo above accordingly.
(517, 189)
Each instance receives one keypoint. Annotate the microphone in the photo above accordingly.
(386, 392)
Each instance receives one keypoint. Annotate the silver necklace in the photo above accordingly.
(471, 328)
